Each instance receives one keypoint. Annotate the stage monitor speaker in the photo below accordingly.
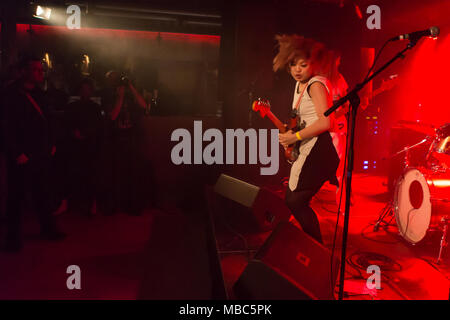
(289, 266)
(248, 207)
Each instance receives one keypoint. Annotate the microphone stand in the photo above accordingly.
(250, 94)
(354, 100)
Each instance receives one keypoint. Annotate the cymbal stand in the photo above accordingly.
(388, 210)
(444, 243)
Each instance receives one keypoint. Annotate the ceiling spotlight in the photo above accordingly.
(48, 62)
(85, 65)
(43, 13)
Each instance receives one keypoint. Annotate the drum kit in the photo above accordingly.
(420, 202)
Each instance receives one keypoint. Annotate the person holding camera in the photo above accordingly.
(124, 106)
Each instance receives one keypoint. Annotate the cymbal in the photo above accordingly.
(407, 148)
(425, 128)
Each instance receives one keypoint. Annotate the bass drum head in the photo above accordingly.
(412, 205)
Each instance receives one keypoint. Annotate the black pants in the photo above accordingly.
(83, 173)
(126, 172)
(32, 177)
(61, 172)
(298, 203)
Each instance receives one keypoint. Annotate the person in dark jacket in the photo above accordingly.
(84, 121)
(29, 150)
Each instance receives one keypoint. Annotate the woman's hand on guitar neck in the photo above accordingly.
(287, 138)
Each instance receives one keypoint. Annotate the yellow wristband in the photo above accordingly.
(297, 134)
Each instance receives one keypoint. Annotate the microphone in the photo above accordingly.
(432, 32)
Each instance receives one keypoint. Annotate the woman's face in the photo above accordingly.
(301, 69)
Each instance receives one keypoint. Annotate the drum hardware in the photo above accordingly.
(444, 243)
(408, 148)
(444, 130)
(388, 210)
(442, 146)
(419, 200)
(422, 194)
(438, 156)
(417, 126)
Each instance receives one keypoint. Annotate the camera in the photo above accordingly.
(124, 81)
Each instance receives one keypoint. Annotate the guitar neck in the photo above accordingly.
(276, 122)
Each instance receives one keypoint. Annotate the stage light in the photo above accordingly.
(43, 13)
(48, 61)
(85, 65)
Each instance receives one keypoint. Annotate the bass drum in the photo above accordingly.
(420, 201)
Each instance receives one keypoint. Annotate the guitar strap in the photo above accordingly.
(297, 104)
(35, 105)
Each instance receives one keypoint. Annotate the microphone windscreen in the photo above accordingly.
(434, 31)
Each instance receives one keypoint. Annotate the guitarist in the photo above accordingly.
(318, 160)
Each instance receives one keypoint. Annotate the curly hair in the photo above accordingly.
(293, 47)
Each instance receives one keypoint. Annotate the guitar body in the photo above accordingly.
(263, 107)
(291, 152)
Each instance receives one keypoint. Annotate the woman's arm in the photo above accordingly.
(322, 101)
(139, 99)
(118, 103)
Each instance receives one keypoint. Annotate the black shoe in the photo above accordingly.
(53, 235)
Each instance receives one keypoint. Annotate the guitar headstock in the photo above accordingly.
(262, 106)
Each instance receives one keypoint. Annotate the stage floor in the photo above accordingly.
(407, 271)
(163, 254)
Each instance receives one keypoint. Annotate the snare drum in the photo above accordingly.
(420, 201)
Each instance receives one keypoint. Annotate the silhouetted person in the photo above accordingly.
(57, 98)
(12, 74)
(29, 150)
(125, 107)
(84, 122)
